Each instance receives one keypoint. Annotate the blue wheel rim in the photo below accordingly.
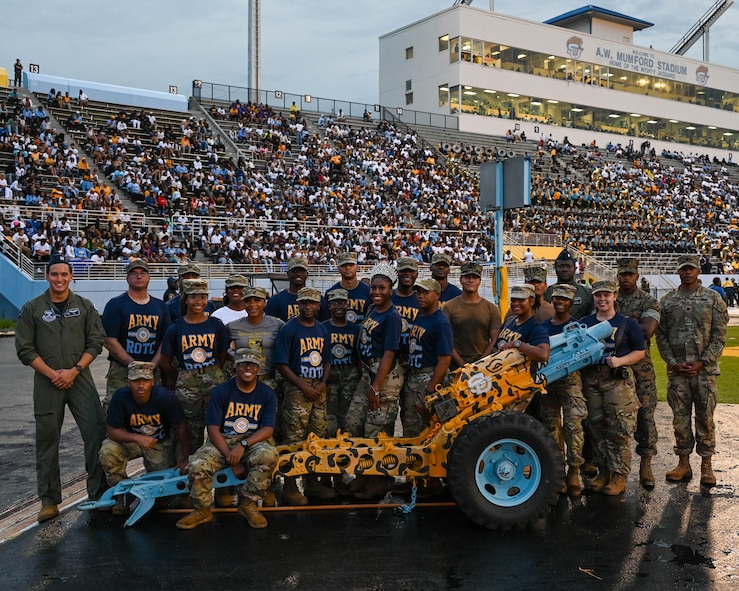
(508, 472)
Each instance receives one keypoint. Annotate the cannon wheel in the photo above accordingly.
(505, 471)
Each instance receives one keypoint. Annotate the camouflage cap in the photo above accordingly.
(564, 290)
(688, 260)
(471, 269)
(628, 265)
(521, 292)
(254, 292)
(309, 294)
(137, 264)
(188, 268)
(407, 263)
(194, 287)
(428, 284)
(245, 355)
(440, 257)
(236, 281)
(345, 258)
(605, 286)
(535, 274)
(337, 294)
(297, 263)
(140, 370)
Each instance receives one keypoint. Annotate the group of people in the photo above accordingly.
(261, 371)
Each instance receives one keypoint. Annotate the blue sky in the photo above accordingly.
(327, 48)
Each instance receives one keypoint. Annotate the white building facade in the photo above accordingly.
(580, 71)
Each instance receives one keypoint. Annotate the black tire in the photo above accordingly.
(505, 471)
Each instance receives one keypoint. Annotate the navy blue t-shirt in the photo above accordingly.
(304, 349)
(284, 305)
(343, 340)
(359, 301)
(555, 329)
(449, 293)
(380, 332)
(431, 337)
(153, 419)
(173, 306)
(530, 332)
(632, 340)
(239, 413)
(407, 307)
(196, 345)
(139, 328)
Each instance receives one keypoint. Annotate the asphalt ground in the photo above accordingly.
(674, 537)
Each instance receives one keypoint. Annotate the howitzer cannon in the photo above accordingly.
(502, 466)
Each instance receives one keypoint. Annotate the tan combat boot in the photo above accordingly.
(248, 509)
(291, 495)
(603, 478)
(646, 478)
(682, 472)
(616, 485)
(574, 483)
(47, 512)
(194, 519)
(269, 499)
(707, 476)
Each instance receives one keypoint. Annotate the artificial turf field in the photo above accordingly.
(728, 381)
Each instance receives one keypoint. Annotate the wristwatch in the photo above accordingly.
(79, 368)
(517, 344)
(244, 443)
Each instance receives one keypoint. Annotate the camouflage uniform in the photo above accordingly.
(362, 422)
(116, 378)
(612, 407)
(342, 384)
(637, 305)
(566, 394)
(301, 416)
(259, 459)
(114, 457)
(193, 390)
(693, 328)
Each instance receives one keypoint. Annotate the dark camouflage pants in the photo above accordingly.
(646, 393)
(413, 392)
(342, 383)
(193, 390)
(684, 394)
(114, 457)
(360, 421)
(612, 408)
(563, 410)
(259, 460)
(301, 416)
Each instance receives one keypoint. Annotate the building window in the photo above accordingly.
(453, 50)
(408, 98)
(408, 85)
(408, 53)
(443, 42)
(444, 95)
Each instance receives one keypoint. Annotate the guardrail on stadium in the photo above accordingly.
(313, 104)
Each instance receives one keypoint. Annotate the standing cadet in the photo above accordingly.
(139, 424)
(345, 367)
(691, 337)
(405, 300)
(233, 306)
(634, 303)
(59, 334)
(537, 276)
(358, 291)
(303, 357)
(240, 420)
(440, 266)
(186, 271)
(284, 305)
(475, 321)
(564, 267)
(430, 354)
(608, 386)
(199, 344)
(134, 323)
(563, 408)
